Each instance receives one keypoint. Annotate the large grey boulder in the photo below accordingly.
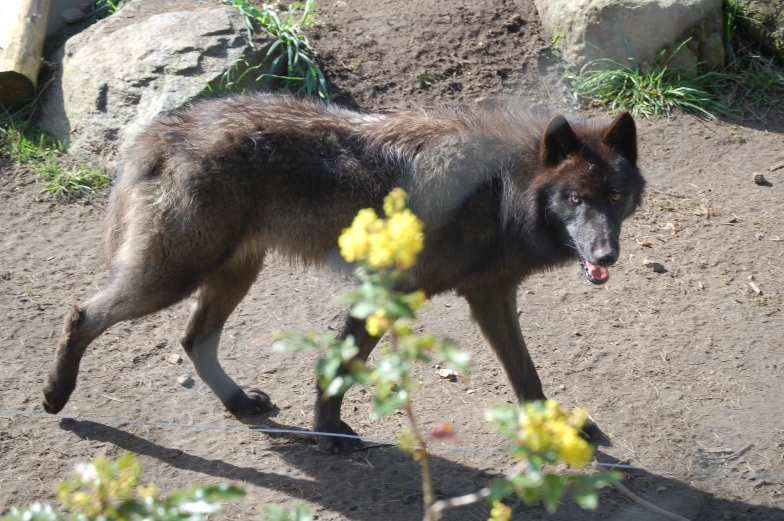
(586, 30)
(122, 72)
(764, 21)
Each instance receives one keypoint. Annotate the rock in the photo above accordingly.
(760, 179)
(122, 72)
(586, 30)
(174, 359)
(72, 15)
(655, 266)
(763, 20)
(185, 381)
(448, 374)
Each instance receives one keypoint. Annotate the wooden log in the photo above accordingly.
(22, 33)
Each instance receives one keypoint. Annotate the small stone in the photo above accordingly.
(448, 374)
(755, 288)
(562, 387)
(72, 15)
(470, 391)
(760, 179)
(185, 381)
(655, 266)
(174, 359)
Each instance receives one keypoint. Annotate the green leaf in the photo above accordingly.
(500, 488)
(397, 308)
(363, 310)
(554, 488)
(456, 358)
(382, 407)
(586, 498)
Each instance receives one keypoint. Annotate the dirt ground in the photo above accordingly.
(683, 370)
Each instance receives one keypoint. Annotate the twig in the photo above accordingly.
(650, 506)
(475, 497)
(424, 462)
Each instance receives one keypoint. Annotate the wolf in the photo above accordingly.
(206, 192)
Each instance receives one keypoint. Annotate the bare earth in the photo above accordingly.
(683, 370)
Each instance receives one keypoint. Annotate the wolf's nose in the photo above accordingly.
(606, 258)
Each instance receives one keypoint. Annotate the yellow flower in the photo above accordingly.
(405, 237)
(547, 427)
(384, 244)
(500, 512)
(574, 450)
(380, 254)
(378, 323)
(355, 240)
(415, 299)
(394, 202)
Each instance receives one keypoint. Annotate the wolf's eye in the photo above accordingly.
(576, 199)
(615, 197)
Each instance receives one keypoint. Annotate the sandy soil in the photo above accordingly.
(681, 369)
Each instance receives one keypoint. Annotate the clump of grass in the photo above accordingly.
(750, 83)
(302, 75)
(104, 8)
(43, 156)
(657, 91)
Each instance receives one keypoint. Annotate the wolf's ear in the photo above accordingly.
(621, 136)
(558, 142)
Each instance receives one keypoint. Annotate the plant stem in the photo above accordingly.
(424, 463)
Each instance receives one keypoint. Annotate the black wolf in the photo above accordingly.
(208, 191)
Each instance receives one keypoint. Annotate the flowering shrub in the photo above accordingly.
(109, 490)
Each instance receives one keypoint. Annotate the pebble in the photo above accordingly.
(185, 381)
(760, 179)
(448, 374)
(655, 266)
(174, 359)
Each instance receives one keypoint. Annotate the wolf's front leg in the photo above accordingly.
(327, 413)
(495, 310)
(496, 313)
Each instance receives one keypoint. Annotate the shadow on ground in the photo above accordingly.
(373, 490)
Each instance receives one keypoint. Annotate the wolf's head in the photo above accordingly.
(590, 183)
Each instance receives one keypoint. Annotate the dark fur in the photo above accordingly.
(207, 191)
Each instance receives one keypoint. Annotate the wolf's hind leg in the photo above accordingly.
(136, 289)
(219, 294)
(327, 414)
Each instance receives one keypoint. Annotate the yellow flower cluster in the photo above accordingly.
(378, 323)
(547, 427)
(384, 243)
(500, 512)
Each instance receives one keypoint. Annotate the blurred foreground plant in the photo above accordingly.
(109, 490)
(542, 433)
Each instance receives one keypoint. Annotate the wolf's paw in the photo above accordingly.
(338, 444)
(252, 401)
(591, 432)
(55, 397)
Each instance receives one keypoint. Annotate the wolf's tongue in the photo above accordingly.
(597, 272)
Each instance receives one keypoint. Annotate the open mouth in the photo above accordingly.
(595, 274)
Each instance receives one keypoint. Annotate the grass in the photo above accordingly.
(44, 157)
(749, 84)
(104, 8)
(295, 54)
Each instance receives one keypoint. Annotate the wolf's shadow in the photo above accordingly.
(389, 488)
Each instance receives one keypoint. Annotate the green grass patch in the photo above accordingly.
(749, 84)
(104, 8)
(44, 157)
(292, 50)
